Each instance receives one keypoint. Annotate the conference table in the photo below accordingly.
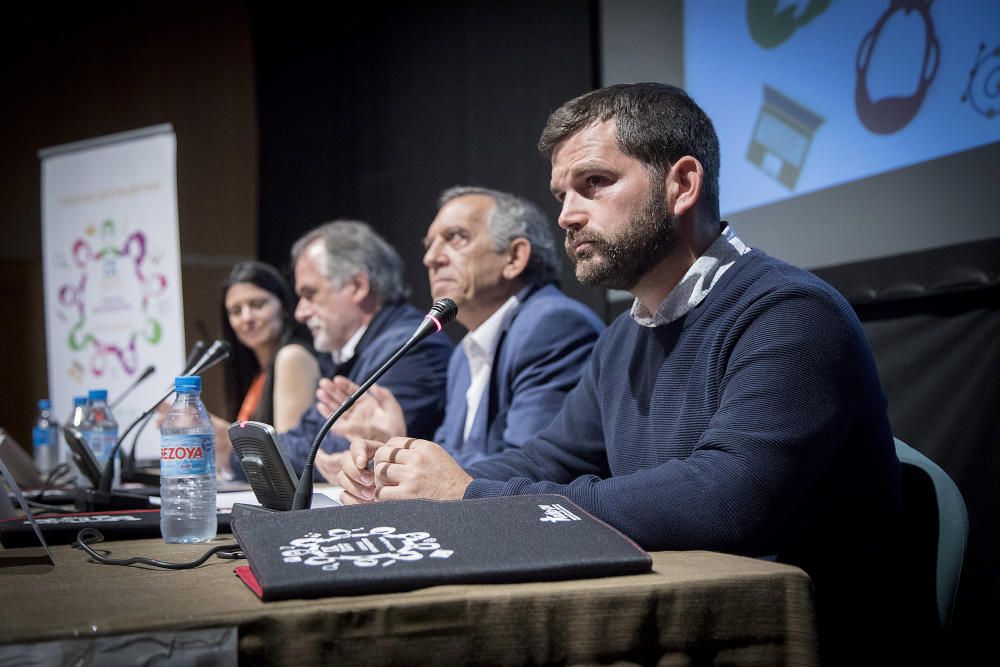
(696, 607)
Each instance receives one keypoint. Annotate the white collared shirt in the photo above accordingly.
(480, 345)
(346, 353)
(696, 283)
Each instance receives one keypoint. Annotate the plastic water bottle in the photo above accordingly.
(79, 411)
(100, 430)
(75, 420)
(45, 437)
(187, 467)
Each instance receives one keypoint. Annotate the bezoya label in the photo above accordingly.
(187, 454)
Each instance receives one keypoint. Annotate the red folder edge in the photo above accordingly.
(247, 576)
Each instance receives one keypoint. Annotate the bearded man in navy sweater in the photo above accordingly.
(736, 408)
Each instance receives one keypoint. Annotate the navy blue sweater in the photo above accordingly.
(755, 424)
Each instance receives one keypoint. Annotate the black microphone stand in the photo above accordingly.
(129, 472)
(149, 370)
(442, 313)
(103, 498)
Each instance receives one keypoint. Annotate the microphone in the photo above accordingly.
(139, 380)
(217, 351)
(194, 355)
(441, 314)
(197, 350)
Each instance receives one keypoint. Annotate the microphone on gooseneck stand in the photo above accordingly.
(102, 497)
(441, 314)
(216, 352)
(149, 370)
(194, 355)
(197, 351)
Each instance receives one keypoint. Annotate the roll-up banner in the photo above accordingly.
(111, 265)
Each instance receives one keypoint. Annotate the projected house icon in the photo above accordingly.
(781, 137)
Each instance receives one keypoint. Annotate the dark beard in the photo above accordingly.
(619, 262)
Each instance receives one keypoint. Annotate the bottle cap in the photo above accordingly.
(187, 383)
(79, 400)
(97, 395)
(44, 404)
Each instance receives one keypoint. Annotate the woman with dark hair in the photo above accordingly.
(272, 373)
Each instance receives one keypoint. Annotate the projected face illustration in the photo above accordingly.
(893, 113)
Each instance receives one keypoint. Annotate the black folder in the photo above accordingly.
(63, 528)
(409, 544)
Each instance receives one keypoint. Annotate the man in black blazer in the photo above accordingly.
(349, 281)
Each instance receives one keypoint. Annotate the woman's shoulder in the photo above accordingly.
(296, 354)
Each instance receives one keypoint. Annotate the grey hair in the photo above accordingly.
(517, 218)
(353, 247)
(657, 124)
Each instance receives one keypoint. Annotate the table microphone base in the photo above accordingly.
(92, 500)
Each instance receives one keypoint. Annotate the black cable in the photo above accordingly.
(49, 484)
(130, 460)
(54, 474)
(89, 536)
(51, 508)
(108, 473)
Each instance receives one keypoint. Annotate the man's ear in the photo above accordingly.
(516, 258)
(684, 181)
(362, 287)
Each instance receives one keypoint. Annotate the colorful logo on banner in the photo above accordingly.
(109, 302)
